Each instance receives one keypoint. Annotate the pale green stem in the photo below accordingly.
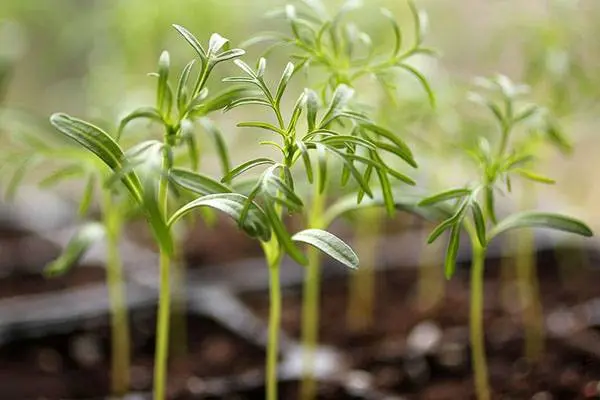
(178, 310)
(273, 254)
(478, 357)
(310, 300)
(120, 349)
(525, 265)
(533, 320)
(431, 282)
(361, 296)
(164, 303)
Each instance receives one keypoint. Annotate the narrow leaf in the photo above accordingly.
(452, 251)
(479, 223)
(312, 107)
(329, 244)
(262, 125)
(445, 196)
(191, 39)
(87, 196)
(306, 160)
(162, 100)
(532, 176)
(150, 113)
(283, 81)
(219, 141)
(240, 169)
(341, 97)
(75, 249)
(534, 219)
(422, 80)
(196, 182)
(216, 43)
(255, 224)
(181, 95)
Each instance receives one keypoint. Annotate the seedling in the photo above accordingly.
(30, 151)
(147, 169)
(328, 46)
(475, 210)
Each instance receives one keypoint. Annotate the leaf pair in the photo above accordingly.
(467, 200)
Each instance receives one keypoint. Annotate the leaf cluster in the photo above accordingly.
(335, 45)
(474, 206)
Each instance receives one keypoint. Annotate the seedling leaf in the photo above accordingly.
(329, 244)
(86, 236)
(196, 182)
(533, 219)
(445, 196)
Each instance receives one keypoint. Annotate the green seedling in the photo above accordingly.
(148, 172)
(474, 207)
(333, 129)
(336, 52)
(69, 163)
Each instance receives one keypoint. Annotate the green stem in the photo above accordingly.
(310, 323)
(430, 289)
(273, 255)
(361, 296)
(478, 356)
(120, 349)
(525, 269)
(162, 329)
(178, 310)
(311, 300)
(164, 301)
(530, 298)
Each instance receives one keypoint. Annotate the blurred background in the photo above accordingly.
(90, 58)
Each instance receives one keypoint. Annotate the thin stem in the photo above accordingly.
(310, 323)
(273, 254)
(529, 292)
(162, 329)
(311, 300)
(179, 307)
(430, 286)
(361, 296)
(164, 301)
(120, 349)
(525, 266)
(478, 356)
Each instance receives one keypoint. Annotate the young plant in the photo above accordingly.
(475, 205)
(148, 172)
(334, 130)
(33, 151)
(333, 49)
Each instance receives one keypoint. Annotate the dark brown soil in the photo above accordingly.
(383, 351)
(75, 365)
(22, 283)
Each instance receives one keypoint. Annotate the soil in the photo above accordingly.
(441, 371)
(75, 365)
(390, 357)
(21, 283)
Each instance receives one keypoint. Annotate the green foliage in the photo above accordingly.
(519, 124)
(336, 46)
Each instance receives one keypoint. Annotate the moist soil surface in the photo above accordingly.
(420, 353)
(20, 283)
(76, 365)
(394, 355)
